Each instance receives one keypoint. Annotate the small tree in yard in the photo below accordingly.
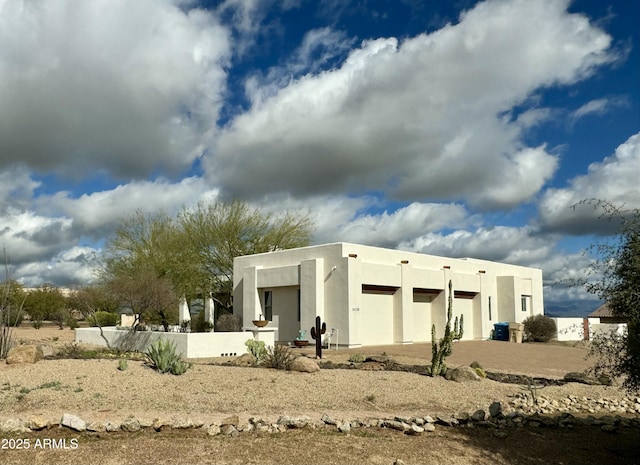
(11, 300)
(539, 328)
(617, 272)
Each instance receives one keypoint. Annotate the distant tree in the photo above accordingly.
(43, 303)
(617, 268)
(13, 296)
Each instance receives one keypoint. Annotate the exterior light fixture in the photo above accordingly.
(353, 255)
(404, 262)
(482, 271)
(446, 267)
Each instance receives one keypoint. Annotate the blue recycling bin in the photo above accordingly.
(501, 331)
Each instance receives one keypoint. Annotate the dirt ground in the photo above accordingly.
(362, 446)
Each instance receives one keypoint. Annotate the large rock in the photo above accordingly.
(462, 374)
(244, 360)
(73, 422)
(305, 365)
(25, 354)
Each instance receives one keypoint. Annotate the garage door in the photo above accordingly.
(376, 316)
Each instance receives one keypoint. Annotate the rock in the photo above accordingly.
(24, 354)
(500, 434)
(495, 409)
(157, 424)
(232, 420)
(478, 415)
(13, 425)
(415, 429)
(96, 427)
(304, 365)
(398, 462)
(37, 423)
(429, 419)
(213, 430)
(344, 427)
(397, 425)
(130, 425)
(182, 423)
(429, 427)
(328, 420)
(111, 427)
(244, 360)
(461, 374)
(73, 422)
(230, 430)
(447, 420)
(293, 422)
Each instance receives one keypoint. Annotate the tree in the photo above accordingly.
(617, 267)
(219, 232)
(44, 303)
(193, 252)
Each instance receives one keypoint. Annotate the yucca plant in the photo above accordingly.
(164, 359)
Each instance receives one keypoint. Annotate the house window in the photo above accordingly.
(298, 304)
(523, 300)
(490, 309)
(268, 305)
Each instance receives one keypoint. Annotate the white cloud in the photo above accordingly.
(75, 266)
(126, 87)
(99, 213)
(421, 119)
(615, 180)
(599, 107)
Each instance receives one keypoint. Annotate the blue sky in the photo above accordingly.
(450, 128)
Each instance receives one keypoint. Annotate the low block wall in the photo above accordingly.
(191, 345)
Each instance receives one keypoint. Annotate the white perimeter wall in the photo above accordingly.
(191, 345)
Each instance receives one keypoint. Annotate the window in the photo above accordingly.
(490, 308)
(268, 305)
(298, 304)
(523, 300)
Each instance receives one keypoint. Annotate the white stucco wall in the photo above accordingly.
(331, 278)
(190, 345)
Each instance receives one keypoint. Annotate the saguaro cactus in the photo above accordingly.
(316, 333)
(441, 350)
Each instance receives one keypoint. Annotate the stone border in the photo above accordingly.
(495, 420)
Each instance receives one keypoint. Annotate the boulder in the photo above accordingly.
(304, 365)
(232, 420)
(130, 425)
(73, 422)
(37, 423)
(244, 360)
(25, 354)
(462, 374)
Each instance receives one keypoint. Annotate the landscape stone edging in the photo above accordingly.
(494, 419)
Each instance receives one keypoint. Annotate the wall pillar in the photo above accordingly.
(251, 308)
(403, 306)
(311, 293)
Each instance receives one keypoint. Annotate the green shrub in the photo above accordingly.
(103, 319)
(164, 359)
(123, 364)
(228, 323)
(539, 328)
(278, 357)
(356, 358)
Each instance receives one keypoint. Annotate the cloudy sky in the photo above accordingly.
(465, 129)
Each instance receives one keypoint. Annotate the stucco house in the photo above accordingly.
(375, 296)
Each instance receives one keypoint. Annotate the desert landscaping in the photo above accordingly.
(218, 413)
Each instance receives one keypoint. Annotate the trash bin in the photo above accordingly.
(515, 332)
(501, 331)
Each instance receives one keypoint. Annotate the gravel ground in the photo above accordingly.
(97, 390)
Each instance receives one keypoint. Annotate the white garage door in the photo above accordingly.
(376, 317)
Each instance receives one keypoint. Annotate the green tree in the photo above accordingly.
(617, 272)
(192, 253)
(217, 233)
(43, 303)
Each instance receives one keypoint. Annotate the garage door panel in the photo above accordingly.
(376, 319)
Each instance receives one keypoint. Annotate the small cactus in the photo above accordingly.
(316, 333)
